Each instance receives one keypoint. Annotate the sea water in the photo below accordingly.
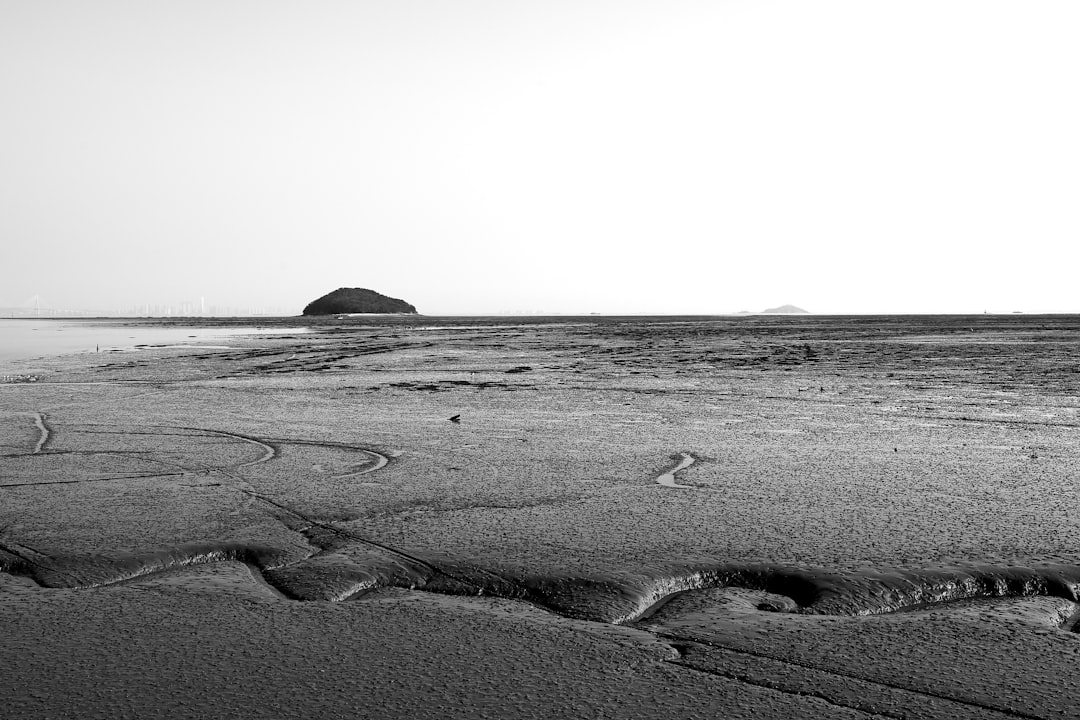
(34, 338)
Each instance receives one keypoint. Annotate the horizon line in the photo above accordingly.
(740, 313)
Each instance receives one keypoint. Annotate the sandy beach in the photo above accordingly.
(759, 517)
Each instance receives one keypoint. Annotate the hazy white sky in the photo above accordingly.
(469, 156)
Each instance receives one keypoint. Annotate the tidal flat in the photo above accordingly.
(389, 517)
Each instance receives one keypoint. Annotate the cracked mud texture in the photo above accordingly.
(632, 517)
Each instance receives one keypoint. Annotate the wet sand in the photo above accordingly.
(632, 517)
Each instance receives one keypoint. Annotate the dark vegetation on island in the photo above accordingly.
(357, 300)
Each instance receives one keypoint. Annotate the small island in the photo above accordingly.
(784, 310)
(346, 301)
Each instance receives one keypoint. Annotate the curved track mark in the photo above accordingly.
(43, 429)
(380, 462)
(269, 451)
(668, 479)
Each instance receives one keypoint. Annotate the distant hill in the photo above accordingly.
(784, 309)
(357, 300)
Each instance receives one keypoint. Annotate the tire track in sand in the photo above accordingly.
(269, 451)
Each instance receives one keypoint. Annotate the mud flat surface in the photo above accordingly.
(759, 517)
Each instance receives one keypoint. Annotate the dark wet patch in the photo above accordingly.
(446, 385)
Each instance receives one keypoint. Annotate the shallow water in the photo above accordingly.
(26, 339)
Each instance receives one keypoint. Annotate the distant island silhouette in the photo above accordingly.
(356, 300)
(784, 309)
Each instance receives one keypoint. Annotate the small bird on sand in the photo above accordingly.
(455, 419)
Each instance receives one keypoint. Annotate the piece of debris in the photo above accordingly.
(455, 419)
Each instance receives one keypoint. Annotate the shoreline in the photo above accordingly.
(38, 339)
